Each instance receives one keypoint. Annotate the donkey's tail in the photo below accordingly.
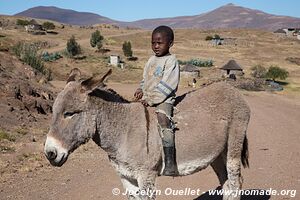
(245, 153)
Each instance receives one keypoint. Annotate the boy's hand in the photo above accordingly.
(144, 103)
(138, 94)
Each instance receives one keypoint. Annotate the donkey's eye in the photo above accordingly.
(70, 114)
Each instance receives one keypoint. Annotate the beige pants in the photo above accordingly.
(165, 124)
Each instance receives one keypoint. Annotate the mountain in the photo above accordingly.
(228, 16)
(65, 16)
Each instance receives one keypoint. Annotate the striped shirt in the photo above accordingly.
(160, 79)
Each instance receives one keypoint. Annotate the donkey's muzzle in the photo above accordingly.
(54, 152)
(51, 154)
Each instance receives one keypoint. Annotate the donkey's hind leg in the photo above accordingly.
(219, 166)
(234, 152)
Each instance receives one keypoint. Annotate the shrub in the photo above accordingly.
(209, 37)
(216, 36)
(28, 54)
(258, 71)
(127, 49)
(48, 25)
(51, 56)
(73, 48)
(197, 62)
(6, 136)
(96, 40)
(22, 22)
(133, 58)
(275, 72)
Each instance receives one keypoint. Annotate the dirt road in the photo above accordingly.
(274, 139)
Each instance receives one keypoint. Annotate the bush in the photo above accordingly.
(96, 40)
(216, 36)
(197, 62)
(48, 25)
(22, 22)
(209, 37)
(258, 71)
(127, 49)
(28, 54)
(275, 72)
(51, 56)
(73, 48)
(133, 58)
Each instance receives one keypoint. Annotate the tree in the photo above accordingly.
(209, 37)
(96, 40)
(276, 72)
(216, 36)
(258, 71)
(127, 49)
(48, 25)
(73, 48)
(22, 22)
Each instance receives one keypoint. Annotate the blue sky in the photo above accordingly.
(131, 10)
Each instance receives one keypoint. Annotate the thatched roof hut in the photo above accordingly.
(232, 66)
(280, 31)
(190, 70)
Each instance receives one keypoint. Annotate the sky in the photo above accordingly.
(132, 10)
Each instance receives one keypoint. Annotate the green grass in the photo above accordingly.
(6, 136)
(21, 131)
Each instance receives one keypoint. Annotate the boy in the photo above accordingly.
(157, 89)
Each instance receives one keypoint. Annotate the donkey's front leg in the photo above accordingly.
(131, 188)
(146, 184)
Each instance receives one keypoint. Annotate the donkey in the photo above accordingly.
(211, 130)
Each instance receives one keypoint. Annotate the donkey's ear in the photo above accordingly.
(74, 75)
(93, 82)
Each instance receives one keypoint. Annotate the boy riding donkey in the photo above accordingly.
(157, 89)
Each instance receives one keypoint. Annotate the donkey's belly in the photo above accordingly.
(199, 141)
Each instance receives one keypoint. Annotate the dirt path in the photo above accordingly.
(274, 161)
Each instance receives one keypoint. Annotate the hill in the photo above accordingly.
(65, 16)
(228, 16)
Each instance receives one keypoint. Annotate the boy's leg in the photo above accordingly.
(164, 113)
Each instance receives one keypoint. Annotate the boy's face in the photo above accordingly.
(161, 44)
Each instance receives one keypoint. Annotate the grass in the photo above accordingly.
(30, 157)
(6, 149)
(6, 136)
(21, 131)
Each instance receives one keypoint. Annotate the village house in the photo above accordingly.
(33, 26)
(189, 70)
(115, 60)
(232, 69)
(280, 32)
(217, 41)
(288, 32)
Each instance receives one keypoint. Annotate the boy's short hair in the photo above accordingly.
(165, 30)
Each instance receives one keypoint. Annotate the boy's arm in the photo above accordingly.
(167, 85)
(139, 91)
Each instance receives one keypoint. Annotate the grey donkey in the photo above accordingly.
(211, 130)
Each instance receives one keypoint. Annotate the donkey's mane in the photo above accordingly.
(108, 94)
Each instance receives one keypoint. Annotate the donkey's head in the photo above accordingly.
(73, 122)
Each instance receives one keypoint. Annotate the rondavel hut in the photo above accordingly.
(190, 70)
(232, 69)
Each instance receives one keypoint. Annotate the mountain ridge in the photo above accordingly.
(227, 16)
